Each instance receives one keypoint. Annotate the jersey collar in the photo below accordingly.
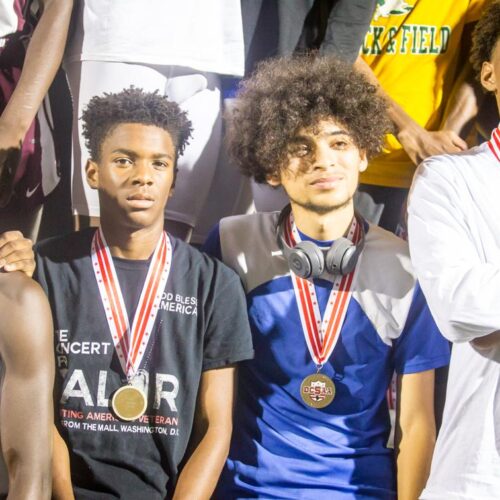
(494, 143)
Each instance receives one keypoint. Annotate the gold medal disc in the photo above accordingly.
(317, 390)
(129, 403)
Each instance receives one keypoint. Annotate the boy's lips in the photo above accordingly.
(140, 200)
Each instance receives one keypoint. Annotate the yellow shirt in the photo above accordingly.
(412, 47)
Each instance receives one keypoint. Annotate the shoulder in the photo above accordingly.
(452, 168)
(383, 248)
(248, 244)
(24, 310)
(192, 260)
(17, 290)
(67, 247)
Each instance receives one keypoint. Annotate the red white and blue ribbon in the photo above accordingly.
(130, 342)
(494, 143)
(322, 334)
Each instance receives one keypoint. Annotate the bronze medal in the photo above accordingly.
(317, 390)
(129, 403)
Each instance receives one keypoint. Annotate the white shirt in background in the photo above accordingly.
(206, 35)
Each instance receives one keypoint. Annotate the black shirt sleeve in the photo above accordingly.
(227, 337)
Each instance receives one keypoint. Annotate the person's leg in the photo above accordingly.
(87, 79)
(230, 192)
(199, 95)
(394, 201)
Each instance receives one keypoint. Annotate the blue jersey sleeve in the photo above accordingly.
(420, 346)
(212, 243)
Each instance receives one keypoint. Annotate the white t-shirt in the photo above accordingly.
(9, 19)
(454, 234)
(206, 35)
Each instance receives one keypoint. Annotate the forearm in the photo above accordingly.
(43, 58)
(401, 119)
(463, 104)
(416, 445)
(201, 472)
(62, 488)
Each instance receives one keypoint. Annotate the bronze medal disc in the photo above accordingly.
(317, 390)
(129, 403)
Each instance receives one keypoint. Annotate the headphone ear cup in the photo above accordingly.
(341, 257)
(306, 260)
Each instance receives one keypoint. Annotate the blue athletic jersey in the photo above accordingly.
(282, 448)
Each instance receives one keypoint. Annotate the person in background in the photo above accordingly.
(416, 51)
(30, 55)
(454, 235)
(179, 49)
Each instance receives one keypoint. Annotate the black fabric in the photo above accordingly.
(131, 276)
(202, 324)
(394, 201)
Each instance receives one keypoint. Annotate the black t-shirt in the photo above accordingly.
(201, 325)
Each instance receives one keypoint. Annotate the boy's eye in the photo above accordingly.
(340, 143)
(160, 164)
(123, 161)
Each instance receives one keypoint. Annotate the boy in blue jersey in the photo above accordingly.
(312, 419)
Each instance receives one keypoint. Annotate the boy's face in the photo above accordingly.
(134, 174)
(322, 169)
(490, 73)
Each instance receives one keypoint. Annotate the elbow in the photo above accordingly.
(29, 480)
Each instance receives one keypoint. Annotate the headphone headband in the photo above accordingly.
(308, 260)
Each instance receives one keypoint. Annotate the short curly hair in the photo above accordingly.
(287, 94)
(133, 105)
(485, 37)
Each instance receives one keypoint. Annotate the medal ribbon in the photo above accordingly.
(322, 334)
(130, 343)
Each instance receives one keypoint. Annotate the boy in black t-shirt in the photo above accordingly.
(146, 328)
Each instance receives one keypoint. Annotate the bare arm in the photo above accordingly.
(43, 58)
(415, 432)
(418, 142)
(213, 423)
(61, 473)
(26, 410)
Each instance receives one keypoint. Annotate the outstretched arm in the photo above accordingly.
(26, 409)
(415, 432)
(213, 427)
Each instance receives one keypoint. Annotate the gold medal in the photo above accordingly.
(317, 390)
(129, 403)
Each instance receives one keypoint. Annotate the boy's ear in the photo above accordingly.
(273, 180)
(488, 80)
(364, 161)
(92, 174)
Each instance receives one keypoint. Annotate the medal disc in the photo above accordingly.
(129, 403)
(317, 390)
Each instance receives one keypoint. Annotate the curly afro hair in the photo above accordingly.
(132, 105)
(485, 36)
(287, 94)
